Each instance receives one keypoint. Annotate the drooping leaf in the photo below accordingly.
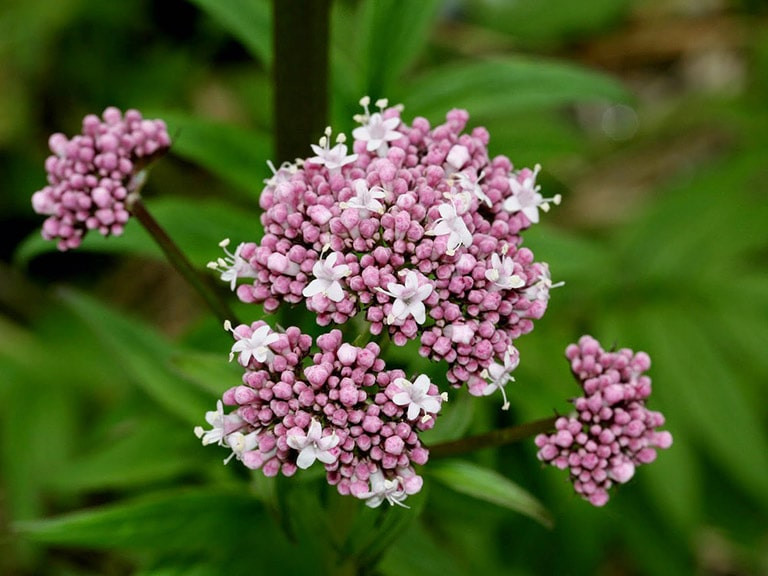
(250, 21)
(500, 86)
(489, 486)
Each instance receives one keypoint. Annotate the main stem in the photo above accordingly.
(493, 438)
(300, 44)
(180, 262)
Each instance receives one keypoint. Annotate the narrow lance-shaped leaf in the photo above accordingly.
(506, 85)
(490, 486)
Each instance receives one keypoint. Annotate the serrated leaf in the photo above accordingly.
(236, 155)
(144, 356)
(506, 85)
(393, 34)
(489, 486)
(250, 21)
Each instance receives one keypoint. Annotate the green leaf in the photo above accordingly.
(490, 486)
(250, 21)
(199, 519)
(236, 155)
(211, 372)
(506, 85)
(392, 35)
(144, 356)
(145, 451)
(701, 395)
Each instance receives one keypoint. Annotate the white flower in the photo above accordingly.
(256, 346)
(332, 158)
(466, 184)
(499, 375)
(222, 424)
(281, 174)
(502, 273)
(526, 198)
(416, 396)
(409, 299)
(240, 443)
(232, 266)
(384, 489)
(365, 199)
(376, 131)
(453, 225)
(313, 446)
(327, 276)
(540, 289)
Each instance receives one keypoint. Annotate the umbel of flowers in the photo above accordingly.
(338, 406)
(91, 175)
(611, 432)
(417, 230)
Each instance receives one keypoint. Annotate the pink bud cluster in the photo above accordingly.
(338, 405)
(417, 229)
(612, 431)
(90, 175)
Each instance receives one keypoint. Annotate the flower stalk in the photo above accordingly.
(178, 260)
(493, 438)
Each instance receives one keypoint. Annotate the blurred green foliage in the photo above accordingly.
(662, 241)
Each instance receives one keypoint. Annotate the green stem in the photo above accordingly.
(179, 261)
(301, 74)
(492, 438)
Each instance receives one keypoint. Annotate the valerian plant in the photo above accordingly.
(411, 232)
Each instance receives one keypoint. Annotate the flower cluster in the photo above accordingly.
(339, 406)
(91, 175)
(612, 431)
(416, 229)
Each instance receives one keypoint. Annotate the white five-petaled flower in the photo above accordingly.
(384, 489)
(526, 198)
(540, 289)
(375, 130)
(415, 395)
(502, 273)
(499, 375)
(327, 276)
(221, 425)
(365, 199)
(313, 445)
(332, 158)
(409, 299)
(453, 225)
(466, 184)
(256, 346)
(232, 266)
